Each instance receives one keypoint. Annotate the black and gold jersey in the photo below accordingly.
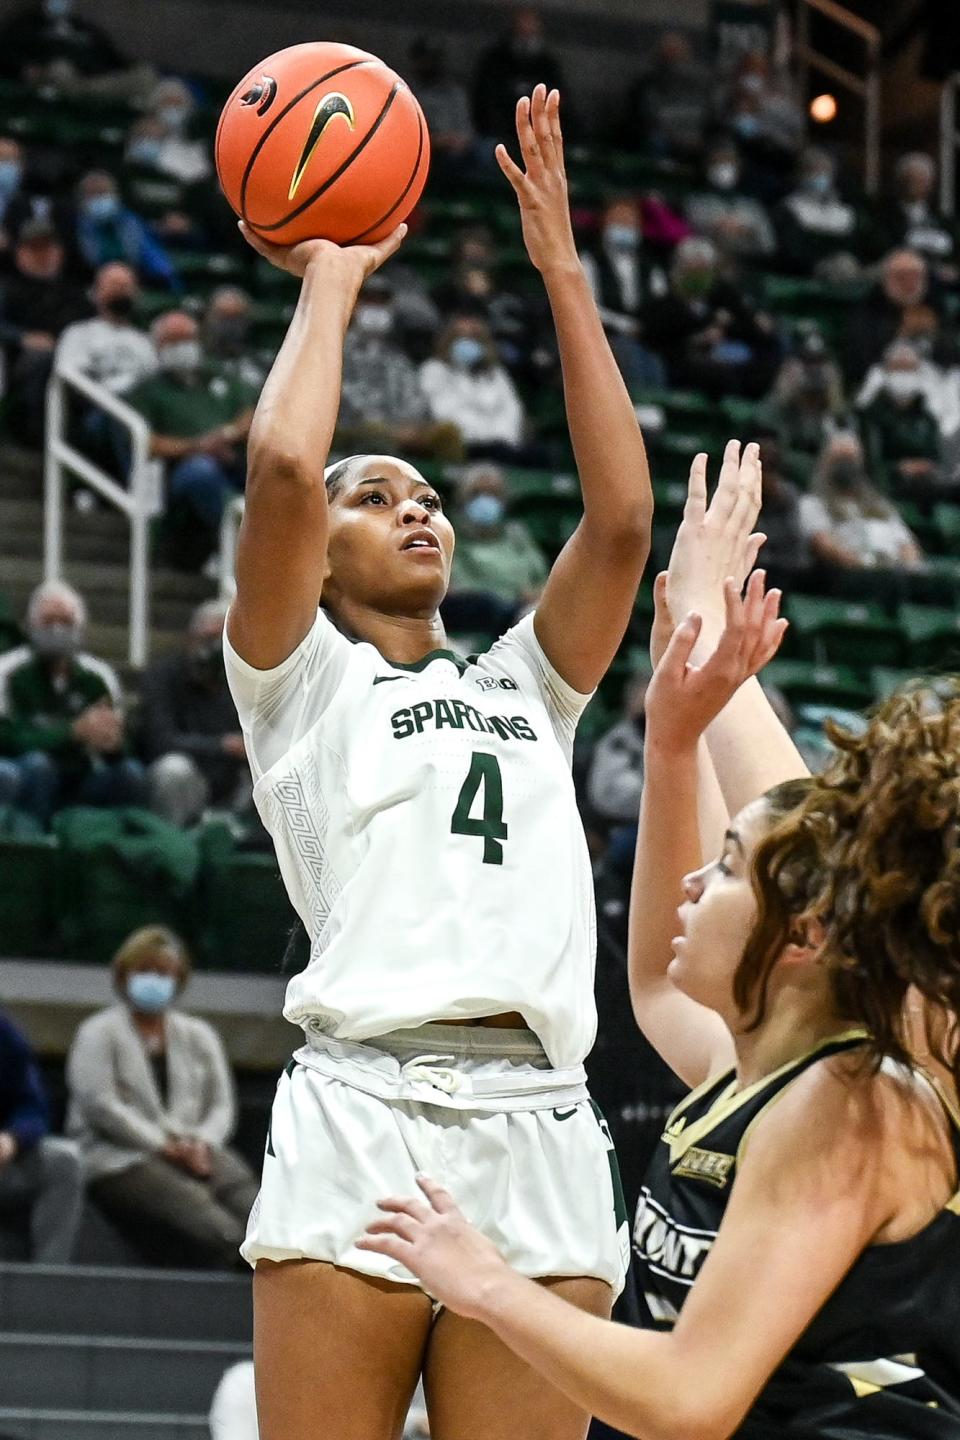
(881, 1360)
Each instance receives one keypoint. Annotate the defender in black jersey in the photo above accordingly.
(798, 1237)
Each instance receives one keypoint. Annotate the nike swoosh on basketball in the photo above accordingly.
(330, 107)
(564, 1114)
(385, 679)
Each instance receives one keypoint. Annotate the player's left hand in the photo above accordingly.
(542, 188)
(455, 1263)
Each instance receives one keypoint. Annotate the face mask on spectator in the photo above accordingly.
(903, 385)
(10, 173)
(484, 510)
(373, 319)
(846, 474)
(119, 307)
(58, 640)
(99, 208)
(724, 175)
(57, 9)
(173, 116)
(819, 183)
(467, 350)
(150, 991)
(746, 125)
(227, 332)
(182, 357)
(145, 151)
(622, 237)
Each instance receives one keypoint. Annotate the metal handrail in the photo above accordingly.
(140, 501)
(949, 143)
(867, 88)
(227, 554)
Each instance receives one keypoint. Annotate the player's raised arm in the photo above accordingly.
(586, 605)
(282, 552)
(682, 700)
(750, 749)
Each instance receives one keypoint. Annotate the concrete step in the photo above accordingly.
(100, 1425)
(79, 1372)
(93, 578)
(108, 1300)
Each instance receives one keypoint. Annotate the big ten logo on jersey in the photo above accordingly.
(674, 1250)
(490, 682)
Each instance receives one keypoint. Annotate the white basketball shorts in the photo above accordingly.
(521, 1147)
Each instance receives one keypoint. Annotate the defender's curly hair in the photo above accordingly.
(872, 850)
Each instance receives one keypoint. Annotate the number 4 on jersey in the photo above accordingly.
(491, 828)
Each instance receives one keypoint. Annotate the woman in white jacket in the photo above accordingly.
(152, 1107)
(466, 384)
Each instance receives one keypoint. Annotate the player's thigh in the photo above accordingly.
(477, 1389)
(337, 1354)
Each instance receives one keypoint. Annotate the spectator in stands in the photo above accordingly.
(39, 299)
(445, 102)
(706, 331)
(899, 307)
(382, 404)
(668, 104)
(107, 230)
(61, 716)
(763, 113)
(11, 180)
(622, 280)
(190, 726)
(49, 40)
(785, 555)
(172, 109)
(738, 224)
(901, 434)
(910, 220)
(515, 321)
(849, 525)
(233, 1412)
(38, 1171)
(109, 348)
(615, 779)
(152, 1107)
(466, 386)
(200, 418)
(807, 402)
(512, 67)
(225, 336)
(816, 226)
(498, 567)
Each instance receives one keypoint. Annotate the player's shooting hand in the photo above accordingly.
(717, 540)
(682, 698)
(541, 188)
(455, 1263)
(354, 262)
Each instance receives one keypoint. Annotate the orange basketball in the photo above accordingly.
(322, 141)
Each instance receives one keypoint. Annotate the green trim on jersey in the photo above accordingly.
(417, 665)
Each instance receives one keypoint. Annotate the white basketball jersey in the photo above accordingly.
(428, 835)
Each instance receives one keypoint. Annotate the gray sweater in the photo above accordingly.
(115, 1110)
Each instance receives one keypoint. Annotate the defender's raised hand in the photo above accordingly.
(541, 188)
(716, 541)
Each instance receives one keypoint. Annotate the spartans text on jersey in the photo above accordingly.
(458, 715)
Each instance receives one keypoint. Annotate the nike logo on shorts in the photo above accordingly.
(565, 1114)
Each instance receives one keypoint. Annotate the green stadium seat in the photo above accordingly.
(804, 682)
(946, 519)
(210, 269)
(246, 916)
(933, 637)
(847, 632)
(28, 895)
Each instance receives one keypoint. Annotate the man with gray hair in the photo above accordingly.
(705, 329)
(911, 217)
(61, 716)
(190, 726)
